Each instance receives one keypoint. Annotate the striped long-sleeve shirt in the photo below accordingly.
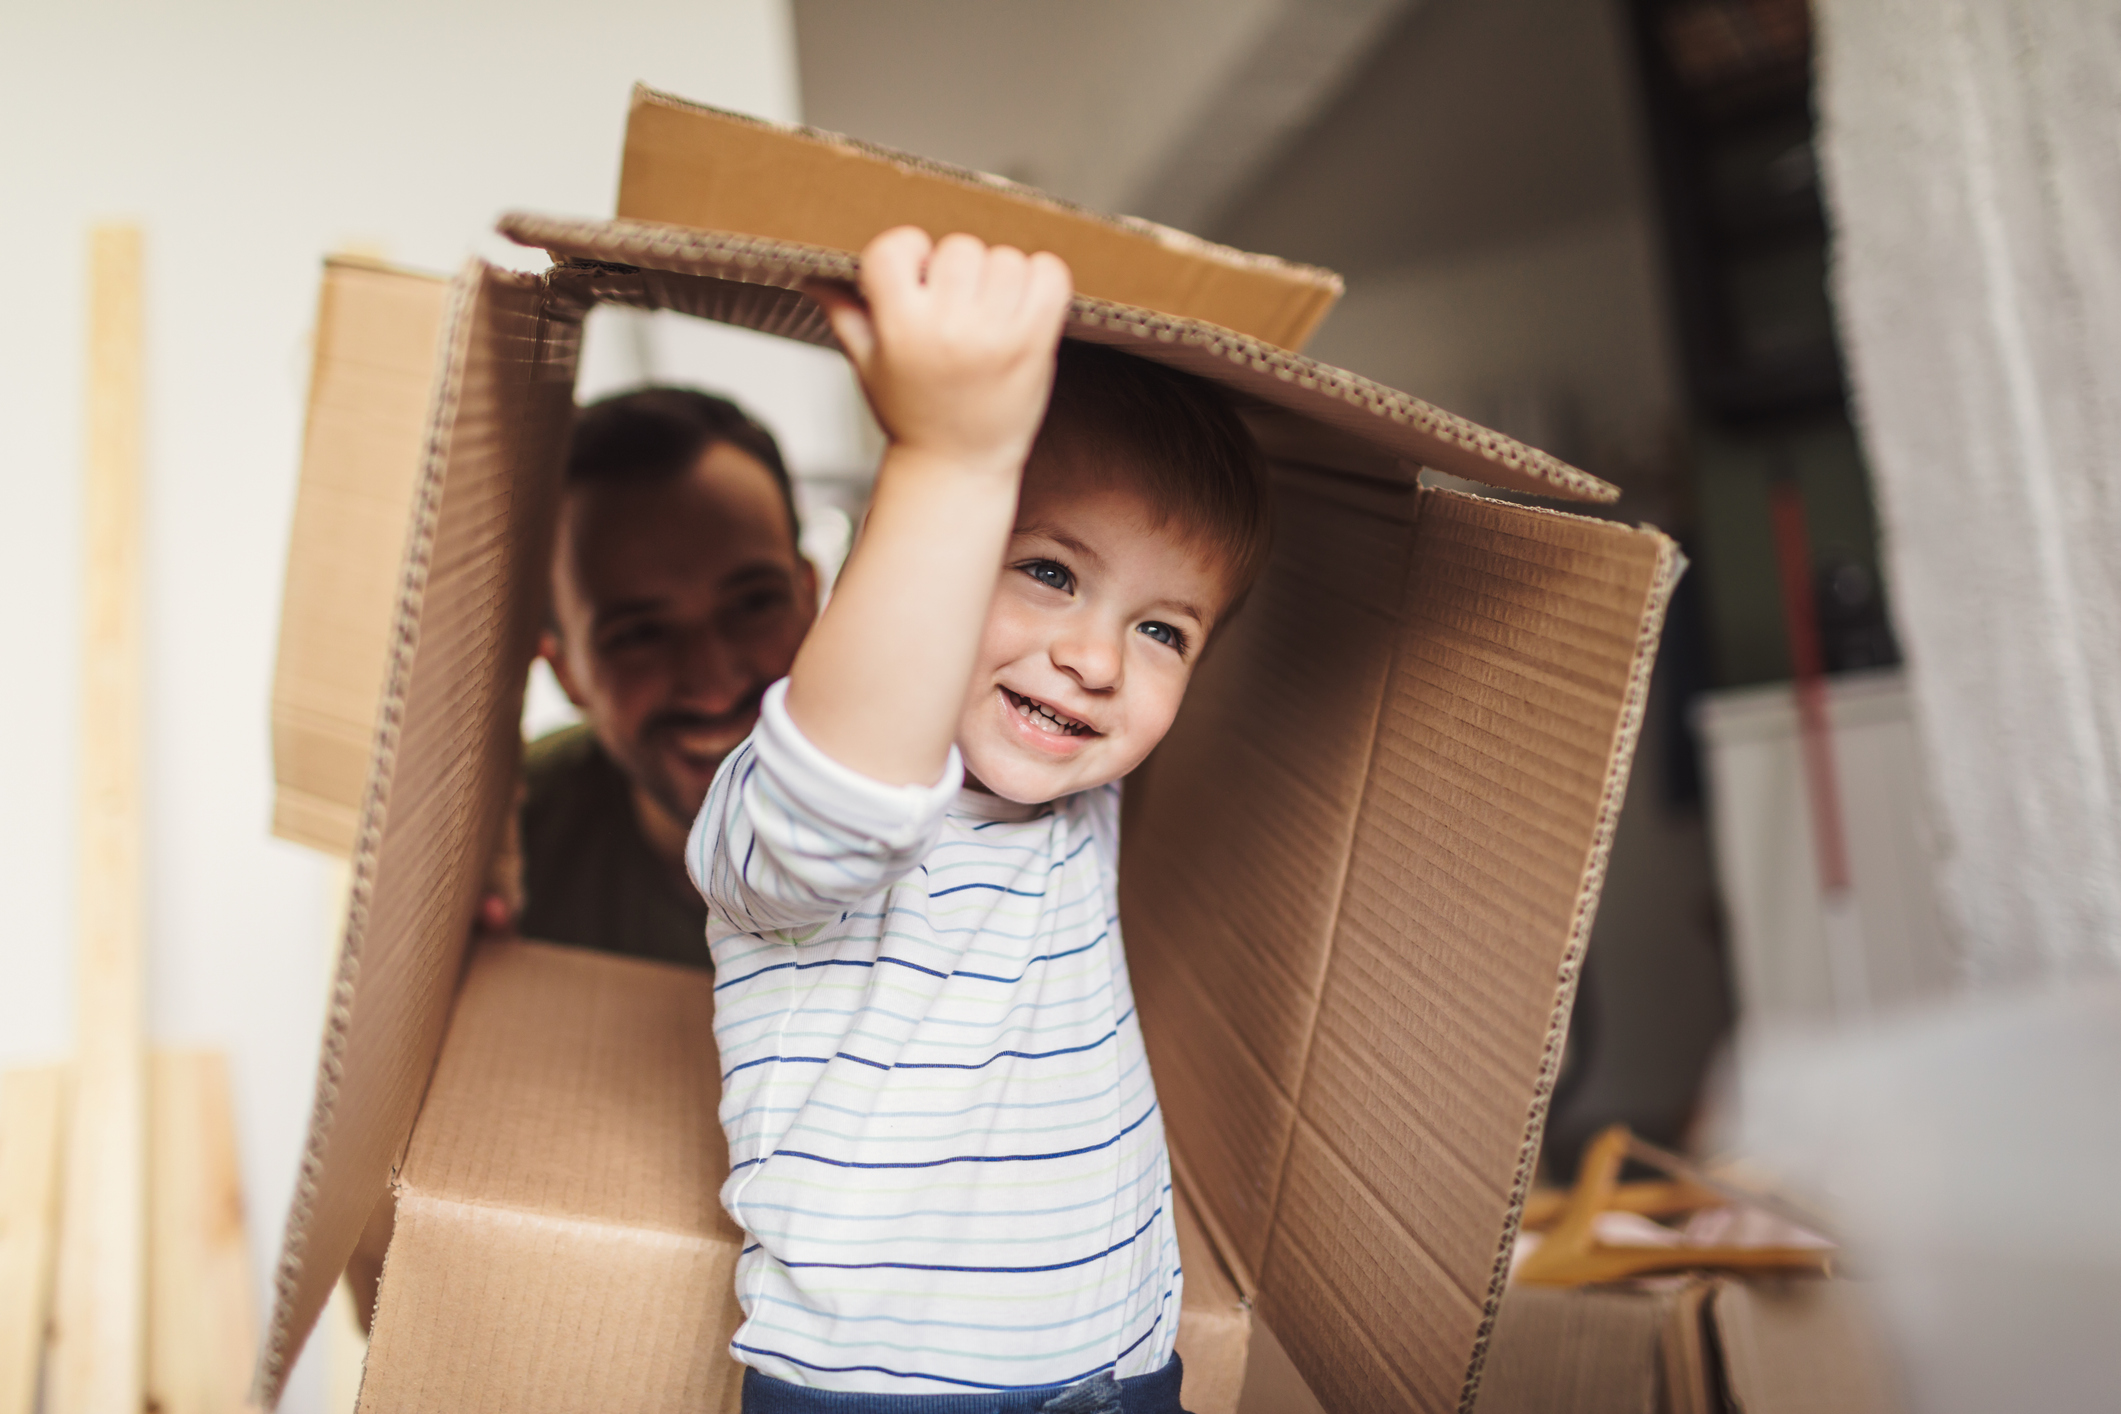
(945, 1148)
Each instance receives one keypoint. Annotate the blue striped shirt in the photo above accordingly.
(944, 1143)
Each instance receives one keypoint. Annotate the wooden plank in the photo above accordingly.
(201, 1327)
(98, 1341)
(32, 1133)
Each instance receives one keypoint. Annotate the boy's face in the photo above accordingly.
(1090, 640)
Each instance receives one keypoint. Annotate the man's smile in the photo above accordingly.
(700, 738)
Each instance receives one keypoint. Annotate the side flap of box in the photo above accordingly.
(561, 1242)
(694, 166)
(1496, 774)
(581, 1086)
(495, 1309)
(440, 774)
(377, 343)
(1236, 836)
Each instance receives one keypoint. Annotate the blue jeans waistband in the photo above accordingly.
(1155, 1393)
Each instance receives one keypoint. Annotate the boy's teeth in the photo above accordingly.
(1045, 718)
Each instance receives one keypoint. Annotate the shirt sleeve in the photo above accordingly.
(789, 837)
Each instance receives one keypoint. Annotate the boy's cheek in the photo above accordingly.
(1151, 716)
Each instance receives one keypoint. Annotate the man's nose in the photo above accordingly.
(708, 675)
(1094, 656)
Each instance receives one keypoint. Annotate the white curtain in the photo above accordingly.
(1972, 157)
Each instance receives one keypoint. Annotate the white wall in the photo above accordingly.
(249, 139)
(1558, 338)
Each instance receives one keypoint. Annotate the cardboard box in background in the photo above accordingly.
(1689, 1345)
(1357, 877)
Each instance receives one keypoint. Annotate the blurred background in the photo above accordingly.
(1601, 226)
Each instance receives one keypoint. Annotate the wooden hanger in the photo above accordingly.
(1571, 1255)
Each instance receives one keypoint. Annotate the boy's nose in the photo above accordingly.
(1095, 660)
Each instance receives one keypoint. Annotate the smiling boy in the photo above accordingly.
(944, 1140)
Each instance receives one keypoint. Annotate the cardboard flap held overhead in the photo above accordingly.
(468, 602)
(1302, 410)
(690, 165)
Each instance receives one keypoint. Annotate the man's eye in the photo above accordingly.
(633, 635)
(1050, 573)
(763, 601)
(1164, 634)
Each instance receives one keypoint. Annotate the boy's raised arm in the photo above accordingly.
(955, 351)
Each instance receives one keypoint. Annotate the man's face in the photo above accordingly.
(1090, 641)
(678, 602)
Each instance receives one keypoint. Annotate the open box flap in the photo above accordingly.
(1359, 876)
(470, 595)
(378, 338)
(690, 165)
(1309, 411)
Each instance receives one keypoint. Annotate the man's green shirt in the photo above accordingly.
(589, 877)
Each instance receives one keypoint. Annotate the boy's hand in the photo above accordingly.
(955, 345)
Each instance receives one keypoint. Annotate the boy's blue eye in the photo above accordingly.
(1164, 634)
(1050, 573)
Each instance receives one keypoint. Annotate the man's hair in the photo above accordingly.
(1175, 439)
(654, 434)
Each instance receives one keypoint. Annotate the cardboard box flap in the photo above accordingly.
(1309, 411)
(377, 342)
(570, 1147)
(470, 595)
(1358, 880)
(690, 165)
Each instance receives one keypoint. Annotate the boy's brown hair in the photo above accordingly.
(1175, 439)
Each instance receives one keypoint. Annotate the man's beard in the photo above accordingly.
(657, 741)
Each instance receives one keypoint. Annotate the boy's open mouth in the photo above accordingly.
(1039, 715)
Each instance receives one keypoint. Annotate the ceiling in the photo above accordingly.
(1161, 108)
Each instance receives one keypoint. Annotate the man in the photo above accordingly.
(679, 596)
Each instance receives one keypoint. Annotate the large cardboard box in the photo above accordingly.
(1375, 837)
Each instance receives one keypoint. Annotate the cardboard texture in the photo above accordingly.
(1402, 763)
(1357, 877)
(1700, 1345)
(374, 365)
(560, 1240)
(469, 600)
(690, 165)
(1802, 1347)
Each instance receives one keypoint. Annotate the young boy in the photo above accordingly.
(944, 1142)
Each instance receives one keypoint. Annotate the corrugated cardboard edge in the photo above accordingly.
(1247, 366)
(1671, 564)
(1170, 237)
(375, 806)
(328, 822)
